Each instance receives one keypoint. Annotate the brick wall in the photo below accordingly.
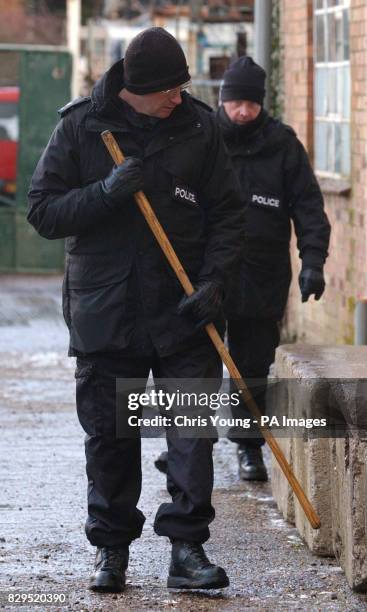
(329, 321)
(17, 25)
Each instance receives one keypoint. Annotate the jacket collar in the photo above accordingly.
(264, 137)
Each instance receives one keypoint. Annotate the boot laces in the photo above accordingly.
(198, 553)
(113, 558)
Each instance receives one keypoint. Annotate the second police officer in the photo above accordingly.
(279, 186)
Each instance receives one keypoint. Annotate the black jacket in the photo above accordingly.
(278, 186)
(118, 288)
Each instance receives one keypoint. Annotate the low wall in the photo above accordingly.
(324, 380)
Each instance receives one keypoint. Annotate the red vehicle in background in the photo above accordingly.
(9, 136)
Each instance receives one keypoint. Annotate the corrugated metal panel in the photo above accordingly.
(44, 81)
(40, 97)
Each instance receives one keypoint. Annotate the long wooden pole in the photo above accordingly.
(176, 265)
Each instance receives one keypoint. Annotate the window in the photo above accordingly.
(332, 87)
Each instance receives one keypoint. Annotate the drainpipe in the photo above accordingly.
(360, 322)
(262, 36)
(73, 19)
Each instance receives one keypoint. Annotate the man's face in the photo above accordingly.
(242, 111)
(160, 104)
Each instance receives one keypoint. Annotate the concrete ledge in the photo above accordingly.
(333, 472)
(349, 484)
(309, 457)
(281, 490)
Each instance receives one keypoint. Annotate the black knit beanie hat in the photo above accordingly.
(154, 61)
(244, 80)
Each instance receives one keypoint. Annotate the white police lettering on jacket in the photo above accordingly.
(184, 194)
(264, 200)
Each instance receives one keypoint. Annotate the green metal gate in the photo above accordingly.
(43, 75)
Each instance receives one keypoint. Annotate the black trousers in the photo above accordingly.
(252, 343)
(113, 464)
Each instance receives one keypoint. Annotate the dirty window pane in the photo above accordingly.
(331, 91)
(334, 2)
(319, 4)
(331, 28)
(320, 92)
(345, 91)
(346, 35)
(320, 38)
(320, 146)
(326, 90)
(330, 147)
(338, 148)
(339, 91)
(339, 35)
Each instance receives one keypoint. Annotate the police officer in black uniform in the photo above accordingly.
(125, 310)
(278, 186)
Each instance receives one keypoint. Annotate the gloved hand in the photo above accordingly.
(123, 181)
(204, 305)
(311, 280)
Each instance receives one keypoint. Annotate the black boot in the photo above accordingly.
(251, 463)
(110, 566)
(161, 462)
(191, 569)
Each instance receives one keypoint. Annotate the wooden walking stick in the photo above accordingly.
(176, 265)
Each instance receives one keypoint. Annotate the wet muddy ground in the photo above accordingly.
(43, 495)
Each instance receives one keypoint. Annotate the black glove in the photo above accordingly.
(204, 305)
(123, 181)
(311, 280)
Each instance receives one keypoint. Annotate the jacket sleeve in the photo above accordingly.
(225, 224)
(58, 206)
(306, 205)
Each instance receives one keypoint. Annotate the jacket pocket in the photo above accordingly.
(89, 271)
(95, 400)
(87, 405)
(96, 299)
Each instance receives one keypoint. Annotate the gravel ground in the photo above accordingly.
(43, 495)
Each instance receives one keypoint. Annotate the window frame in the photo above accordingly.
(341, 117)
